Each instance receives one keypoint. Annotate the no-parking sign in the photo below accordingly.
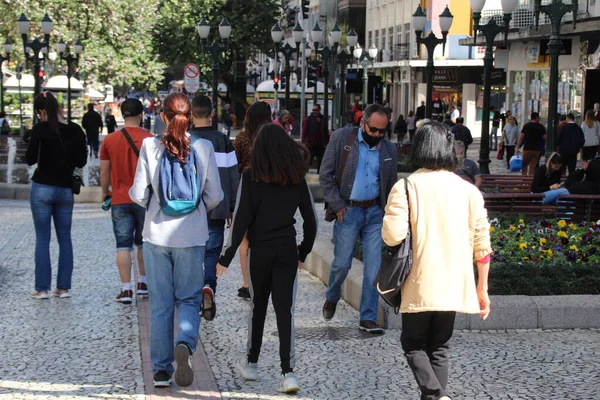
(191, 78)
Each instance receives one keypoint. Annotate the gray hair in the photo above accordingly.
(283, 113)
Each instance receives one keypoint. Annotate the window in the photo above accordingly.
(391, 38)
(376, 39)
(398, 35)
(370, 40)
(383, 32)
(407, 42)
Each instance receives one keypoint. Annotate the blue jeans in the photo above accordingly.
(214, 245)
(363, 223)
(175, 280)
(52, 203)
(551, 196)
(128, 224)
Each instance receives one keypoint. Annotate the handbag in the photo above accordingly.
(500, 155)
(330, 215)
(76, 180)
(396, 263)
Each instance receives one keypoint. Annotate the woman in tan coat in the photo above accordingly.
(449, 229)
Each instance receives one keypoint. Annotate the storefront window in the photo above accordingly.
(517, 93)
(537, 101)
(570, 93)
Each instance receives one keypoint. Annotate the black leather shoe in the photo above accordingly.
(329, 310)
(370, 327)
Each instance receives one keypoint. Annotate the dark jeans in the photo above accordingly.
(411, 133)
(510, 151)
(424, 339)
(570, 160)
(94, 142)
(317, 151)
(52, 203)
(273, 272)
(214, 245)
(128, 224)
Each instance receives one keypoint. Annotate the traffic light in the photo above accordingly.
(276, 81)
(290, 16)
(311, 76)
(42, 75)
(283, 82)
(305, 4)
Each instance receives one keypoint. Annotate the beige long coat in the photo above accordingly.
(450, 229)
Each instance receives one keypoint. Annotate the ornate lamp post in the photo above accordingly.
(317, 36)
(70, 59)
(555, 11)
(214, 49)
(489, 31)
(430, 42)
(344, 57)
(288, 51)
(8, 50)
(35, 45)
(365, 60)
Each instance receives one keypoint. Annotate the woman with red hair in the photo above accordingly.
(173, 245)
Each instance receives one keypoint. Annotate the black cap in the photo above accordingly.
(131, 108)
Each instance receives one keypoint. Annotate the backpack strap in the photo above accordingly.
(347, 148)
(131, 143)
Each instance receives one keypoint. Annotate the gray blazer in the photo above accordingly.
(337, 197)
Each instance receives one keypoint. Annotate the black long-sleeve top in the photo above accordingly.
(267, 212)
(57, 159)
(541, 181)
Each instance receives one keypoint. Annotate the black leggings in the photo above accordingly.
(273, 271)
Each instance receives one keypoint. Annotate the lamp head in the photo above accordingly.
(8, 46)
(352, 38)
(47, 24)
(23, 23)
(297, 33)
(477, 5)
(373, 51)
(357, 52)
(446, 19)
(336, 34)
(419, 19)
(52, 55)
(78, 46)
(276, 33)
(62, 47)
(316, 34)
(508, 6)
(203, 29)
(225, 29)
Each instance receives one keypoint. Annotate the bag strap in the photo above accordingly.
(347, 148)
(131, 143)
(407, 201)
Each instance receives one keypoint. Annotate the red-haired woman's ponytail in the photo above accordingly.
(177, 110)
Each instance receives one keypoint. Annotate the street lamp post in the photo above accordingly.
(430, 42)
(317, 36)
(19, 77)
(8, 50)
(288, 51)
(344, 57)
(555, 11)
(70, 60)
(365, 60)
(35, 45)
(214, 49)
(489, 32)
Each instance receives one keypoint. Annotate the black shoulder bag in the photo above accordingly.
(329, 214)
(130, 141)
(396, 263)
(76, 180)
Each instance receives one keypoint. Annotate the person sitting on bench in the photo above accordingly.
(547, 180)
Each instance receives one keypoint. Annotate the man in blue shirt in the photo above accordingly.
(358, 199)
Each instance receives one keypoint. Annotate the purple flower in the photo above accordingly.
(558, 248)
(592, 250)
(571, 256)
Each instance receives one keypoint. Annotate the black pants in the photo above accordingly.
(510, 151)
(570, 160)
(94, 142)
(589, 153)
(424, 339)
(411, 133)
(317, 151)
(273, 271)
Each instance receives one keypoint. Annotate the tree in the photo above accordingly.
(177, 41)
(117, 38)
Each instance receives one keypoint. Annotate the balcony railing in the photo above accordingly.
(401, 52)
(522, 17)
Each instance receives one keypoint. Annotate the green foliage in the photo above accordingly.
(404, 164)
(116, 36)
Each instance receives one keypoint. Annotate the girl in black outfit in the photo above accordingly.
(271, 191)
(401, 128)
(57, 149)
(547, 180)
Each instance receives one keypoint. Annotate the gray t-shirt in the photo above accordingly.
(468, 171)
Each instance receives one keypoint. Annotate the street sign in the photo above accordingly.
(191, 78)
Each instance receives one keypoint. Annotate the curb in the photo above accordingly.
(20, 191)
(508, 312)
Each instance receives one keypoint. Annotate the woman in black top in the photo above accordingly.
(547, 180)
(271, 191)
(57, 149)
(401, 128)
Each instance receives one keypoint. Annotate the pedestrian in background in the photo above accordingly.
(92, 123)
(547, 180)
(400, 129)
(591, 131)
(272, 190)
(411, 125)
(510, 135)
(570, 141)
(462, 133)
(226, 118)
(174, 245)
(441, 281)
(315, 134)
(495, 114)
(57, 149)
(257, 115)
(285, 121)
(111, 123)
(533, 134)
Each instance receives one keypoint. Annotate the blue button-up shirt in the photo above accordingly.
(366, 181)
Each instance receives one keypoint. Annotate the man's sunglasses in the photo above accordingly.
(372, 129)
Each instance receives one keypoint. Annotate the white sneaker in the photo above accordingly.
(248, 370)
(288, 383)
(41, 295)
(445, 398)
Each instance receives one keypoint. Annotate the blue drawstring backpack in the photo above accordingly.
(179, 187)
(516, 163)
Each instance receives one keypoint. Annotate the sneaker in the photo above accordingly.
(370, 327)
(41, 294)
(244, 293)
(288, 383)
(184, 374)
(162, 379)
(125, 297)
(62, 293)
(329, 309)
(445, 398)
(209, 309)
(142, 289)
(248, 370)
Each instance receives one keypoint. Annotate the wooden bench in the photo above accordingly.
(578, 207)
(529, 204)
(506, 183)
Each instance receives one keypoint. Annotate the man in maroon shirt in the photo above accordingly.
(315, 134)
